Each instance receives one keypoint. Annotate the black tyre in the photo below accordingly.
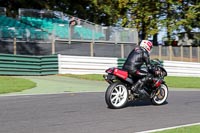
(161, 95)
(116, 95)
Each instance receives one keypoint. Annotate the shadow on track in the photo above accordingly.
(139, 103)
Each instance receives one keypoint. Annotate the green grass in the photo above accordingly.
(190, 129)
(183, 82)
(11, 84)
(175, 82)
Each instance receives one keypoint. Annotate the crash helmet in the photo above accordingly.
(147, 45)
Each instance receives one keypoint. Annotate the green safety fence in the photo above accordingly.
(120, 62)
(28, 65)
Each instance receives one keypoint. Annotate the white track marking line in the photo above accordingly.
(149, 131)
(162, 129)
(13, 95)
(6, 95)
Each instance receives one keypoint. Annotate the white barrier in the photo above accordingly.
(84, 64)
(187, 69)
(98, 65)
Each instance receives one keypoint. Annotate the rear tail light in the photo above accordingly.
(110, 70)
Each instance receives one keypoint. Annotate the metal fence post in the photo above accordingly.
(122, 50)
(191, 53)
(53, 45)
(170, 52)
(160, 52)
(70, 34)
(92, 49)
(15, 46)
(181, 53)
(198, 58)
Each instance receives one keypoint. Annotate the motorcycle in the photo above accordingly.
(119, 91)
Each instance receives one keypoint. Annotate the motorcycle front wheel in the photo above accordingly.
(116, 95)
(161, 95)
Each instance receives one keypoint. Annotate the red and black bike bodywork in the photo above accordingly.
(116, 73)
(121, 82)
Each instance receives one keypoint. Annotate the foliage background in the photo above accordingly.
(148, 16)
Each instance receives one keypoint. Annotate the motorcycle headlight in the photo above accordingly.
(164, 73)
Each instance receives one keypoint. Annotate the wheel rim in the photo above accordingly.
(118, 95)
(161, 95)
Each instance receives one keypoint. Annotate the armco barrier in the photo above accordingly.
(63, 64)
(187, 69)
(28, 65)
(176, 68)
(85, 64)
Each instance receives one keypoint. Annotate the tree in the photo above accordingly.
(143, 16)
(180, 16)
(148, 16)
(105, 12)
(189, 17)
(12, 6)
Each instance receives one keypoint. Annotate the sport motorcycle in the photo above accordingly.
(120, 92)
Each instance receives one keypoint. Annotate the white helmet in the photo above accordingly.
(148, 45)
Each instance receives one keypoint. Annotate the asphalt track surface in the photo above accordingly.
(88, 113)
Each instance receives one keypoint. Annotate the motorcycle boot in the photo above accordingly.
(138, 88)
(136, 85)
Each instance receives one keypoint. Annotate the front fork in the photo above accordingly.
(156, 91)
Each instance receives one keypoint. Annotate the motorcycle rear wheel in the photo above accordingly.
(161, 95)
(116, 95)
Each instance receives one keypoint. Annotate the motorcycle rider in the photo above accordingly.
(137, 57)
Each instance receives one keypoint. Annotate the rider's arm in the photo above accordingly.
(148, 63)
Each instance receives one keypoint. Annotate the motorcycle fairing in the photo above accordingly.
(121, 73)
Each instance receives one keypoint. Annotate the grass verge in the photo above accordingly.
(175, 82)
(11, 84)
(190, 129)
(183, 82)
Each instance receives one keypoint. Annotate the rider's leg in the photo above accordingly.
(139, 75)
(138, 85)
